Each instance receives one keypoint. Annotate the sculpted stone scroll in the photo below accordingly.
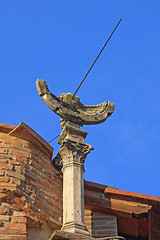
(69, 107)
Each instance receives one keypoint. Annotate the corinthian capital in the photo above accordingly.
(74, 152)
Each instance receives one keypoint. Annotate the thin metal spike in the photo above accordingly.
(97, 56)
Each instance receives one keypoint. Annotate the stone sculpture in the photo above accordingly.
(73, 150)
(69, 107)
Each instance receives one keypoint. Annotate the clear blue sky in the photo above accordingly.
(57, 41)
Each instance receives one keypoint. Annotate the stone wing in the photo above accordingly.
(69, 107)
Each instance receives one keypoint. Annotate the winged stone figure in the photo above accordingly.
(69, 107)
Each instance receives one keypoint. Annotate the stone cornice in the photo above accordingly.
(23, 131)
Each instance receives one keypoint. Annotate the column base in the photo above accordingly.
(73, 227)
(61, 235)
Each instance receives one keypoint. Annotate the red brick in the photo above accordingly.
(3, 160)
(27, 144)
(12, 142)
(103, 227)
(2, 173)
(3, 197)
(4, 211)
(45, 158)
(13, 231)
(55, 184)
(99, 223)
(43, 182)
(15, 181)
(20, 153)
(32, 146)
(29, 212)
(21, 159)
(4, 179)
(39, 161)
(55, 216)
(21, 168)
(4, 218)
(57, 191)
(44, 164)
(39, 173)
(54, 203)
(39, 216)
(105, 232)
(15, 175)
(28, 205)
(19, 201)
(19, 214)
(29, 174)
(88, 219)
(23, 237)
(30, 190)
(5, 166)
(31, 182)
(14, 162)
(4, 136)
(38, 204)
(52, 195)
(7, 187)
(11, 226)
(87, 213)
(57, 211)
(4, 156)
(102, 218)
(34, 158)
(48, 210)
(3, 150)
(19, 219)
(36, 165)
(35, 152)
(55, 174)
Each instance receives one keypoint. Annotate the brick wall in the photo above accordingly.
(31, 195)
(100, 224)
(155, 219)
(30, 187)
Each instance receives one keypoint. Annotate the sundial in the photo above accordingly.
(73, 151)
(69, 107)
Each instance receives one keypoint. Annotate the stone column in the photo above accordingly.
(73, 152)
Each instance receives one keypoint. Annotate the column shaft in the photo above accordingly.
(73, 155)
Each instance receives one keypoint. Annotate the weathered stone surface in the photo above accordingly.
(71, 131)
(60, 235)
(73, 155)
(73, 150)
(69, 107)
